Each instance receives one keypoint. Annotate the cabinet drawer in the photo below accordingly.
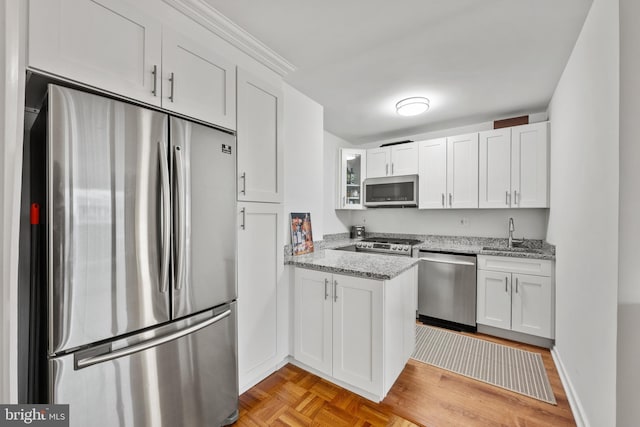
(536, 267)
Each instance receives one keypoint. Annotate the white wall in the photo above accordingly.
(303, 164)
(628, 377)
(583, 220)
(530, 223)
(12, 18)
(334, 221)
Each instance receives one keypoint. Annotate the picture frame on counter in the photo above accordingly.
(301, 233)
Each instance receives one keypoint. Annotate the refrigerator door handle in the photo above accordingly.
(182, 221)
(166, 217)
(154, 342)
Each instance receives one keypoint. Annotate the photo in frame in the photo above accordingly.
(301, 236)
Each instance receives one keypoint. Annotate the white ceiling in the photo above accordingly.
(476, 60)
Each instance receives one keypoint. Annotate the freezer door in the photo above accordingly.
(104, 218)
(204, 260)
(190, 380)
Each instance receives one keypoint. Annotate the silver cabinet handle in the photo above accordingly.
(243, 225)
(154, 342)
(392, 168)
(172, 79)
(155, 80)
(516, 285)
(443, 200)
(506, 284)
(326, 292)
(244, 183)
(450, 199)
(386, 169)
(335, 290)
(344, 201)
(506, 197)
(515, 197)
(166, 217)
(182, 220)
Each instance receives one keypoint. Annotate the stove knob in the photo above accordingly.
(406, 248)
(394, 247)
(370, 245)
(359, 245)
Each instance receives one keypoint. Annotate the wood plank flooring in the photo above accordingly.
(423, 395)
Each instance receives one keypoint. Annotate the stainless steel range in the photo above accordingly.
(386, 245)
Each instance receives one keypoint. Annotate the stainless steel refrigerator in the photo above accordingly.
(140, 264)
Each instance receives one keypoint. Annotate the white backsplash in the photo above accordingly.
(529, 223)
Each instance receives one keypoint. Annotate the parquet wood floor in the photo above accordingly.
(423, 395)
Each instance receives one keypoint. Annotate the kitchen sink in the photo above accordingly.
(506, 249)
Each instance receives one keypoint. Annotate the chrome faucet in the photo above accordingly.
(512, 228)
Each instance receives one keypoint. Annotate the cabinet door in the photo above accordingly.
(494, 164)
(462, 171)
(532, 305)
(108, 44)
(494, 299)
(432, 171)
(404, 159)
(378, 160)
(260, 266)
(197, 82)
(313, 319)
(352, 169)
(260, 157)
(530, 165)
(357, 332)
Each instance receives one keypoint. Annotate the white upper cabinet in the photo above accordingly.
(448, 169)
(353, 164)
(107, 44)
(404, 159)
(396, 160)
(113, 46)
(378, 160)
(432, 186)
(462, 171)
(514, 167)
(530, 165)
(197, 82)
(260, 156)
(495, 169)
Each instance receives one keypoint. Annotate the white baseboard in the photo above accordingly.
(247, 383)
(577, 409)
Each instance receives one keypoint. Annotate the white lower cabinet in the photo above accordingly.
(359, 332)
(261, 302)
(511, 298)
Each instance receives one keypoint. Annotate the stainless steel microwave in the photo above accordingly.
(391, 191)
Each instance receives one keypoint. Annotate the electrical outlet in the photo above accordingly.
(464, 221)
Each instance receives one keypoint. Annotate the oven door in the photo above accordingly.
(395, 191)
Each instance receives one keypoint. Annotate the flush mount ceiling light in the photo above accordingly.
(412, 106)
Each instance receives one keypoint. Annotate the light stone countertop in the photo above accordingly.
(370, 266)
(385, 267)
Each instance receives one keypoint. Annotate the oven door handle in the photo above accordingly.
(444, 261)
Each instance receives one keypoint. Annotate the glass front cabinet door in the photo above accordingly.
(352, 174)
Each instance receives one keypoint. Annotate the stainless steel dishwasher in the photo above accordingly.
(447, 290)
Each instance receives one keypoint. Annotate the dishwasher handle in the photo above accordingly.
(446, 261)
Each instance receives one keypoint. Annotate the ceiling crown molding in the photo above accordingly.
(214, 21)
